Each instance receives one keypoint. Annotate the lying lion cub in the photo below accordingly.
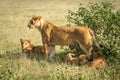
(28, 47)
(98, 61)
(55, 35)
(82, 59)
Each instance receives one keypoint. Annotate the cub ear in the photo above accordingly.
(39, 17)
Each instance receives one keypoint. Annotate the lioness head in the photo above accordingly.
(26, 45)
(35, 22)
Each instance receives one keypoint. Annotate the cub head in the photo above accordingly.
(35, 22)
(83, 59)
(96, 55)
(26, 45)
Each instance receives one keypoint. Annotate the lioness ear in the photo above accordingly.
(39, 17)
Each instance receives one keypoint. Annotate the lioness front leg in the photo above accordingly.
(51, 52)
(46, 51)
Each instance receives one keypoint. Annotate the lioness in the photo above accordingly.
(28, 48)
(54, 35)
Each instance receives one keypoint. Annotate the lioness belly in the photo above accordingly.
(62, 36)
(62, 40)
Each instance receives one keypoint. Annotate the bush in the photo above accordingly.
(104, 19)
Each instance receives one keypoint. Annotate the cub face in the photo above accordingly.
(34, 22)
(26, 45)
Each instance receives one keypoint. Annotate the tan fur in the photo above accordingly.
(28, 47)
(98, 60)
(99, 63)
(83, 59)
(56, 35)
(70, 59)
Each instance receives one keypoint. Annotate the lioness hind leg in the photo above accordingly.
(87, 49)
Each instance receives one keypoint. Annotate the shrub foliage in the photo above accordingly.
(104, 19)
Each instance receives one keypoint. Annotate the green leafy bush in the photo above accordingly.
(104, 19)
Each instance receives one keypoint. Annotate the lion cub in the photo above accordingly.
(82, 59)
(29, 48)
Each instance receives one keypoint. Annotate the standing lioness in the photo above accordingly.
(53, 35)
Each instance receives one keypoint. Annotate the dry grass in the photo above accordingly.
(15, 15)
(30, 69)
